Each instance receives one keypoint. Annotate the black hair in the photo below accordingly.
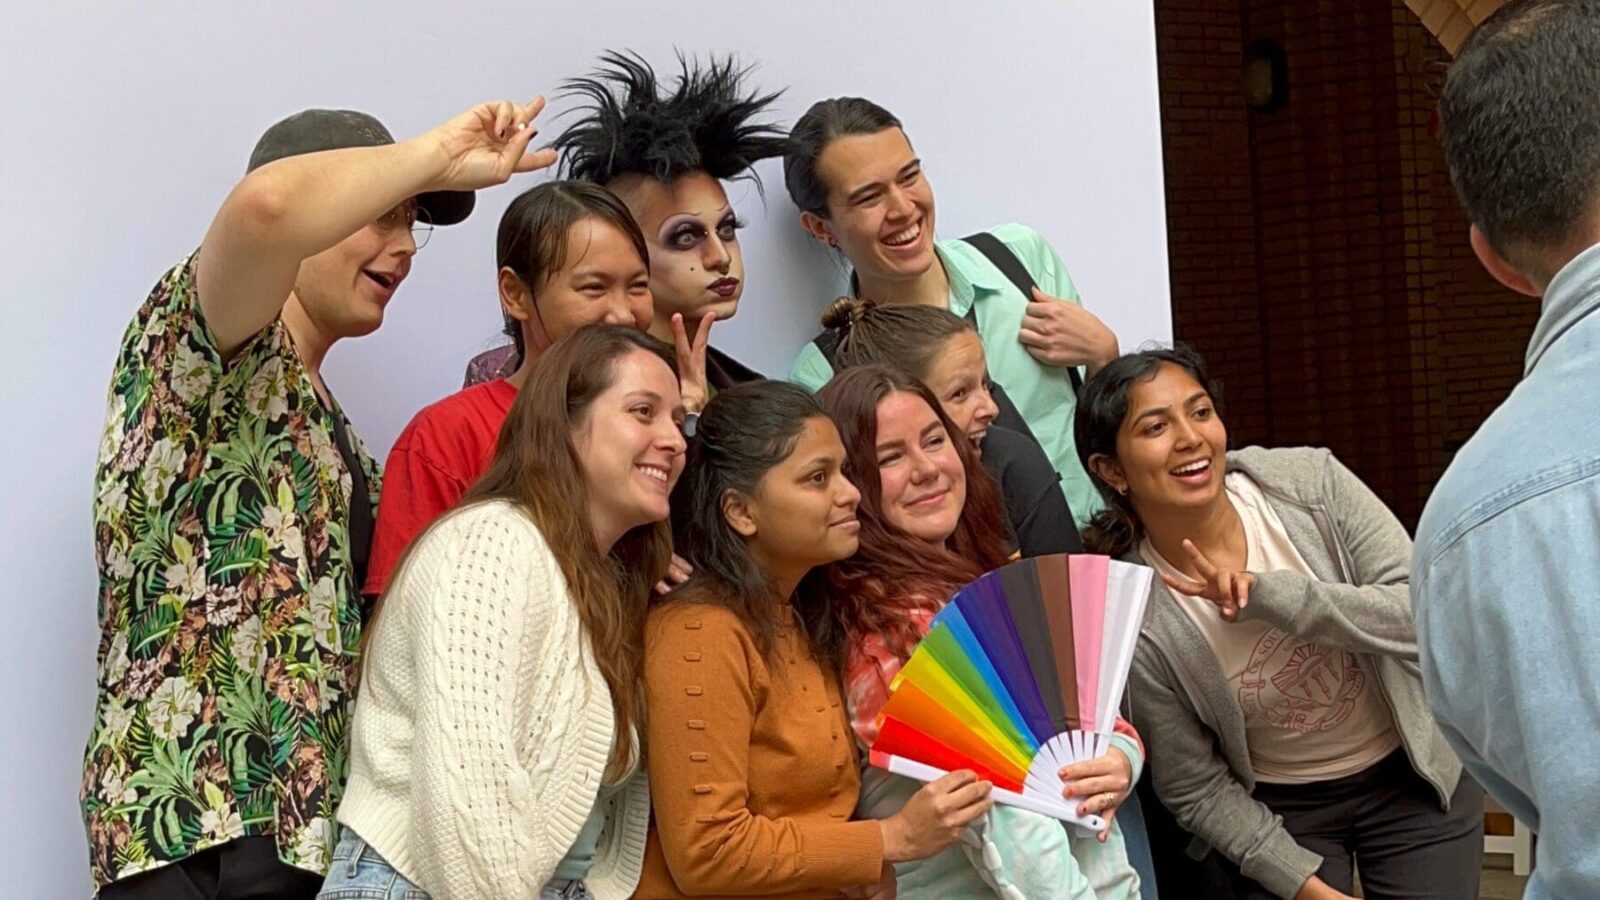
(1102, 410)
(1520, 125)
(630, 126)
(822, 124)
(532, 241)
(743, 432)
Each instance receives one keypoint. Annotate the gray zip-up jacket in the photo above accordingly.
(1191, 721)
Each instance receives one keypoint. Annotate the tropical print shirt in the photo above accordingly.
(229, 620)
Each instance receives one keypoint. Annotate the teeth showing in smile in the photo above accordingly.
(387, 281)
(1193, 468)
(902, 238)
(655, 472)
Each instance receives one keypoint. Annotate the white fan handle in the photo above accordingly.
(1068, 813)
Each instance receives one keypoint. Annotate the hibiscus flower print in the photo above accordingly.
(187, 579)
(313, 843)
(249, 646)
(143, 676)
(325, 613)
(224, 604)
(191, 374)
(114, 789)
(115, 718)
(283, 531)
(266, 394)
(172, 708)
(116, 661)
(112, 502)
(117, 562)
(111, 434)
(160, 470)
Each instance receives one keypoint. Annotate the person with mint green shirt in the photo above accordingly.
(860, 189)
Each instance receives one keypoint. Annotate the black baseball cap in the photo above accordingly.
(313, 130)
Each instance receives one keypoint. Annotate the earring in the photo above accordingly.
(1122, 490)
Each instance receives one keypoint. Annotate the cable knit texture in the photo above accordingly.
(483, 726)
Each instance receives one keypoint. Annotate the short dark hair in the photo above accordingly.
(1520, 117)
(825, 122)
(532, 241)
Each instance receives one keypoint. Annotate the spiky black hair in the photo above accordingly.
(629, 126)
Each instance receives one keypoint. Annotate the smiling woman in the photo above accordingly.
(944, 352)
(930, 523)
(1298, 738)
(569, 255)
(751, 769)
(504, 658)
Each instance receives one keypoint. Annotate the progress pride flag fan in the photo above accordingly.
(1020, 674)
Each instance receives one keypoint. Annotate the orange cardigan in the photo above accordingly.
(753, 769)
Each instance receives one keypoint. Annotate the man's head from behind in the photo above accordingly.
(1521, 135)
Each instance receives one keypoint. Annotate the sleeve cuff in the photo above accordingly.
(1130, 749)
(849, 852)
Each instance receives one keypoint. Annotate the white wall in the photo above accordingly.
(123, 125)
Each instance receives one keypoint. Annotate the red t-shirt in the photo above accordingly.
(440, 454)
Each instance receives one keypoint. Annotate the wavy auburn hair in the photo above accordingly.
(893, 573)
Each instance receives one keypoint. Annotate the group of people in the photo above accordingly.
(618, 618)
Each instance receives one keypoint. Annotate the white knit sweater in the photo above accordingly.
(483, 725)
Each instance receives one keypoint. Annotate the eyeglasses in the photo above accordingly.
(407, 215)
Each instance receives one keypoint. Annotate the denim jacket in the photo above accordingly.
(1506, 592)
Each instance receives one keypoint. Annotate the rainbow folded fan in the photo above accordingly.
(1020, 674)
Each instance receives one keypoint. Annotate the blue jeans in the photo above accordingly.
(359, 873)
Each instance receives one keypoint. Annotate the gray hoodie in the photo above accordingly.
(1190, 719)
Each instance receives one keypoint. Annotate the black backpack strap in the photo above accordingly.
(827, 342)
(1012, 268)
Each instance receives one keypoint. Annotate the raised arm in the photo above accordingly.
(295, 208)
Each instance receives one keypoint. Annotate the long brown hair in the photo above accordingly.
(744, 432)
(536, 469)
(893, 573)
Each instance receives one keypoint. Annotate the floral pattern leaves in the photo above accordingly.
(228, 615)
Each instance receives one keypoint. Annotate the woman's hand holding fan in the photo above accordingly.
(934, 817)
(1019, 677)
(1229, 589)
(1104, 782)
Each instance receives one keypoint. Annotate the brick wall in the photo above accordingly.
(1211, 224)
(1318, 257)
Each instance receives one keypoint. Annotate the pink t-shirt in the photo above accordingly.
(1310, 712)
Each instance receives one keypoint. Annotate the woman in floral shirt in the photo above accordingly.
(233, 506)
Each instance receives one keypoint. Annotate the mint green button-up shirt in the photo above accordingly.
(1042, 393)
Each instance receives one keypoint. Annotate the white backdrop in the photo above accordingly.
(122, 126)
